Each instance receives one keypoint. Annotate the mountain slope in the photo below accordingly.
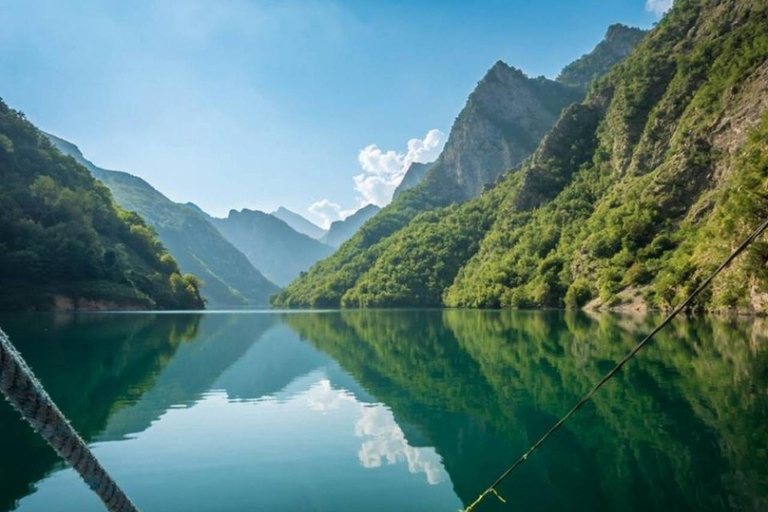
(503, 121)
(270, 244)
(672, 181)
(342, 230)
(299, 223)
(65, 244)
(618, 42)
(229, 278)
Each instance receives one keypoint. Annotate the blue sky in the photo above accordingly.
(245, 103)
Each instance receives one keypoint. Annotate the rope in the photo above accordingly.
(746, 243)
(26, 395)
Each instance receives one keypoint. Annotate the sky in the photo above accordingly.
(318, 106)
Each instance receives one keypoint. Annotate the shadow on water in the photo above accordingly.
(683, 427)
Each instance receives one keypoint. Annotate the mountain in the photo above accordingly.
(632, 198)
(342, 230)
(299, 223)
(618, 42)
(413, 176)
(64, 243)
(634, 205)
(228, 277)
(500, 126)
(270, 244)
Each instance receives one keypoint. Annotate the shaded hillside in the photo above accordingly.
(500, 126)
(299, 223)
(342, 230)
(228, 277)
(65, 244)
(270, 244)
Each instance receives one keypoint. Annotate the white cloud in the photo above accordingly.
(658, 6)
(382, 173)
(384, 170)
(328, 211)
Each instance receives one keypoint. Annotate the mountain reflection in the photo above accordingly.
(679, 428)
(451, 397)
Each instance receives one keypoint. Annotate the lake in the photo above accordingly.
(394, 410)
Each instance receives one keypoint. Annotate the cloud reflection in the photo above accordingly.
(384, 441)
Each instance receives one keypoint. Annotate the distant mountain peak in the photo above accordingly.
(342, 230)
(271, 244)
(299, 223)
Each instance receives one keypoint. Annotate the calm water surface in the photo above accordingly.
(374, 410)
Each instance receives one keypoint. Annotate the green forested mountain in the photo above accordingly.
(631, 199)
(299, 223)
(342, 230)
(270, 244)
(228, 277)
(501, 125)
(65, 244)
(615, 46)
(669, 172)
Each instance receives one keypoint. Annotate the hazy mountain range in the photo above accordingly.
(229, 278)
(299, 223)
(241, 259)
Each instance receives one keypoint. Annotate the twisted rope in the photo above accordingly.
(680, 307)
(26, 395)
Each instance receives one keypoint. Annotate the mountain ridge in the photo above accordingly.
(299, 223)
(270, 244)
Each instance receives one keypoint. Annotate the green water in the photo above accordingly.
(373, 410)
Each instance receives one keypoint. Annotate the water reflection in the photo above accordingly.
(373, 410)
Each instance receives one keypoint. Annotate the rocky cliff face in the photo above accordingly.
(501, 124)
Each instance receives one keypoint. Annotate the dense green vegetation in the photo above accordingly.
(228, 277)
(502, 123)
(62, 238)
